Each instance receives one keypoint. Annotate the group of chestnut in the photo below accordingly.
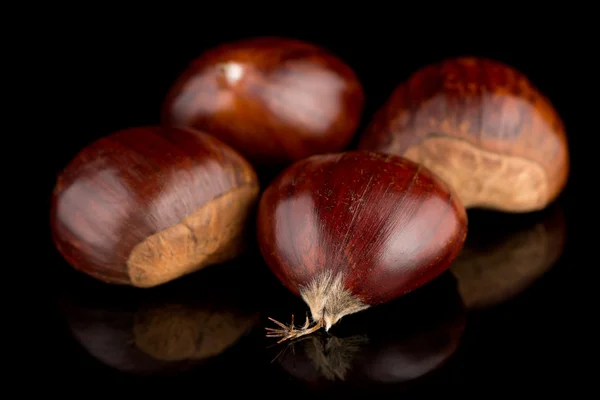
(343, 228)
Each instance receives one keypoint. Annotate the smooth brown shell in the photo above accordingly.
(147, 205)
(482, 127)
(275, 100)
(385, 223)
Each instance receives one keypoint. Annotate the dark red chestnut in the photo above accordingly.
(483, 128)
(275, 100)
(351, 230)
(147, 205)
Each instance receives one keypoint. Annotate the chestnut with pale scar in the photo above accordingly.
(483, 128)
(147, 205)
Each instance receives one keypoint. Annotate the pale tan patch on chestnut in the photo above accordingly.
(213, 234)
(482, 178)
(176, 332)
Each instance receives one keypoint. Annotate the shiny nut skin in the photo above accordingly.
(386, 223)
(276, 100)
(146, 205)
(481, 126)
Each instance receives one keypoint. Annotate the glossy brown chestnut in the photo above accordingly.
(276, 100)
(147, 205)
(482, 127)
(351, 230)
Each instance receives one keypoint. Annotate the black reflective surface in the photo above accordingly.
(510, 315)
(495, 316)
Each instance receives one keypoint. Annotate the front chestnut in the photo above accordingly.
(275, 100)
(351, 230)
(147, 205)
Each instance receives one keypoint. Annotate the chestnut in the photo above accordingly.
(147, 205)
(276, 100)
(184, 324)
(482, 127)
(503, 256)
(351, 230)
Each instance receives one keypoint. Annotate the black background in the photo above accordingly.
(109, 75)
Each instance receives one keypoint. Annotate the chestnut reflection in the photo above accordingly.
(399, 343)
(164, 329)
(504, 254)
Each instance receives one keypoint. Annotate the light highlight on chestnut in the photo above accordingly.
(275, 100)
(147, 205)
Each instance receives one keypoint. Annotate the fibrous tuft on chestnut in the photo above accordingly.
(351, 230)
(147, 205)
(275, 100)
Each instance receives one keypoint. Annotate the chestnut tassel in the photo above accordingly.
(351, 230)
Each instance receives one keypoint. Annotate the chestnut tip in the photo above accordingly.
(231, 71)
(329, 323)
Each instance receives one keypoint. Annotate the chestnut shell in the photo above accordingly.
(147, 205)
(481, 126)
(388, 224)
(276, 100)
